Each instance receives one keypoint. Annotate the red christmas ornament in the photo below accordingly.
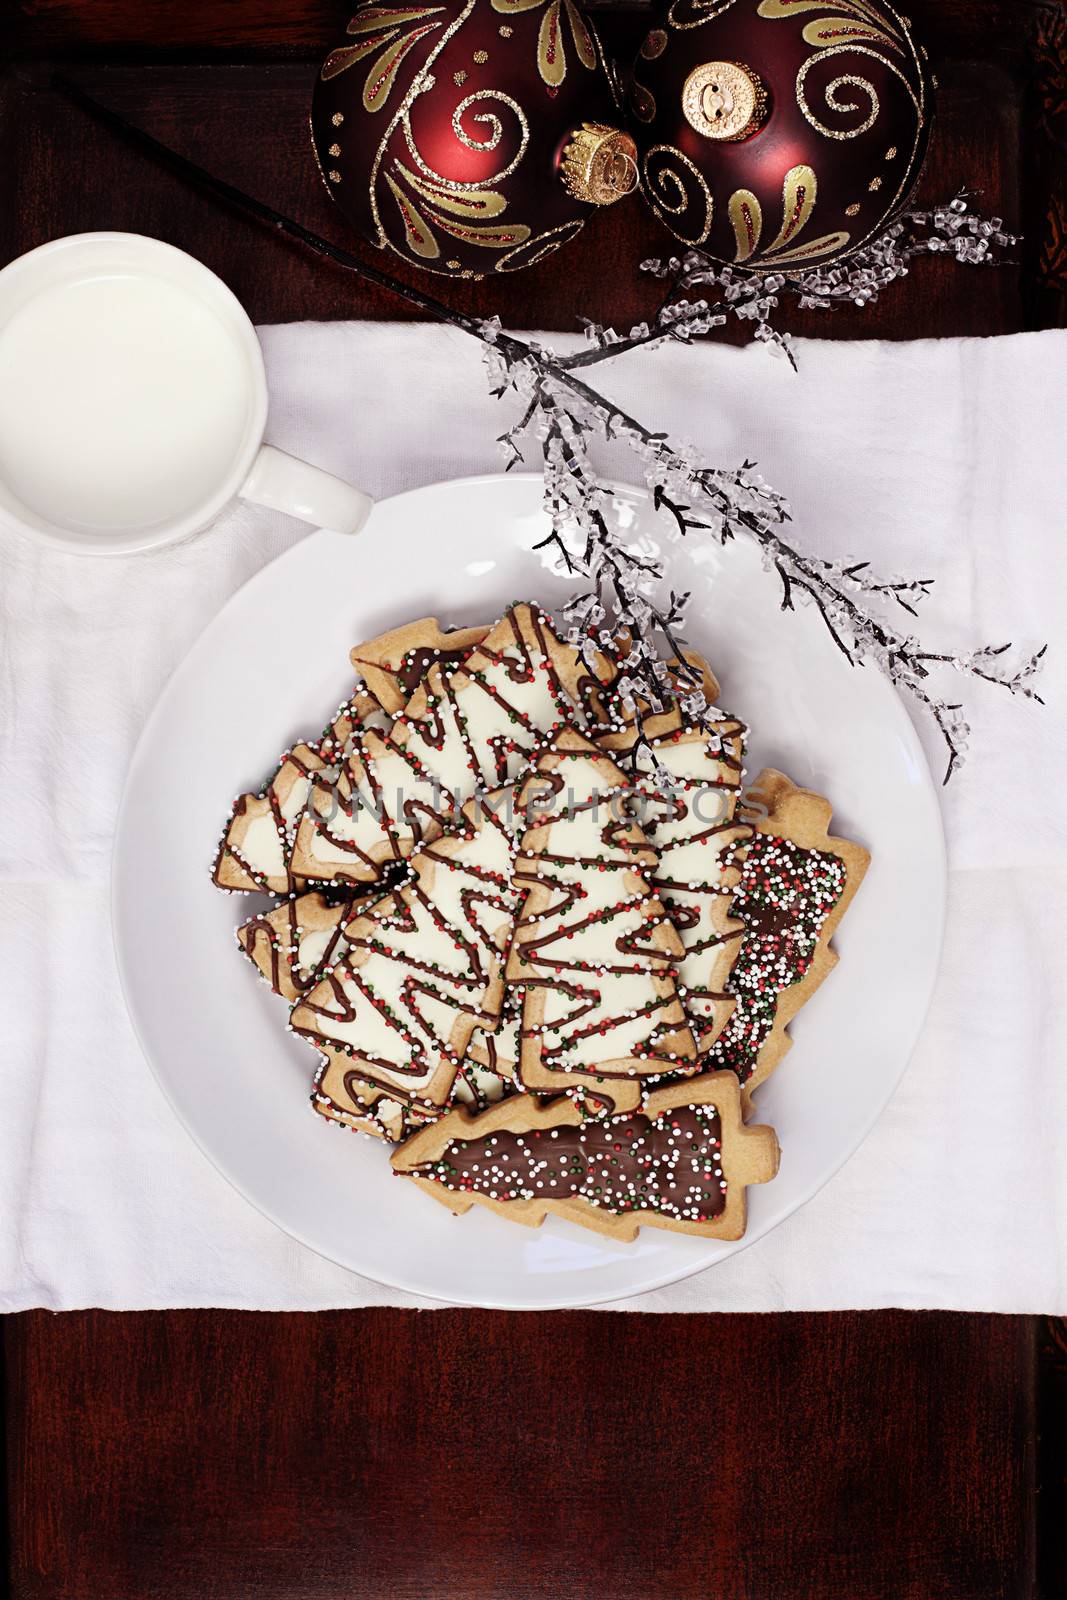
(471, 136)
(779, 133)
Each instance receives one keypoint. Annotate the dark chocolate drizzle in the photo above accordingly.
(414, 664)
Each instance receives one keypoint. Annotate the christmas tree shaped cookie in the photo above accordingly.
(467, 729)
(257, 846)
(682, 1162)
(366, 814)
(255, 853)
(594, 953)
(422, 968)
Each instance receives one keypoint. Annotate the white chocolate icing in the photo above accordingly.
(470, 728)
(694, 832)
(586, 867)
(262, 847)
(312, 947)
(255, 848)
(420, 966)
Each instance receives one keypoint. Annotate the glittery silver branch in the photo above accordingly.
(728, 292)
(624, 581)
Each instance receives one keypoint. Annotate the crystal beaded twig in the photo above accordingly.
(564, 412)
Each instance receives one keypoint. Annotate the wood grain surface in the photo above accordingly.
(275, 27)
(486, 1456)
(424, 1456)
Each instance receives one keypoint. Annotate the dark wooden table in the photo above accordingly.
(876, 1456)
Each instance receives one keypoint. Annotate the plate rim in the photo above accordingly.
(552, 1302)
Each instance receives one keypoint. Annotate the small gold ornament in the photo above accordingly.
(724, 100)
(599, 164)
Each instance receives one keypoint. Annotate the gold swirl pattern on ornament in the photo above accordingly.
(436, 202)
(340, 60)
(420, 222)
(746, 219)
(668, 195)
(685, 14)
(912, 73)
(461, 200)
(841, 107)
(503, 237)
(551, 51)
(418, 234)
(829, 243)
(400, 119)
(799, 190)
(832, 31)
(389, 49)
(849, 80)
(429, 204)
(529, 253)
(381, 78)
(881, 20)
(373, 16)
(384, 24)
(495, 127)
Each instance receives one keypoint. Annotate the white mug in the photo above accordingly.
(133, 402)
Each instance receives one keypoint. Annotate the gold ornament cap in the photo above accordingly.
(724, 100)
(599, 164)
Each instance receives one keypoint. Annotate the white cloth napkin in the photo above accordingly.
(943, 457)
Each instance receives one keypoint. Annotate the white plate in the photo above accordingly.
(271, 667)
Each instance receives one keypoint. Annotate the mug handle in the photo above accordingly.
(296, 487)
